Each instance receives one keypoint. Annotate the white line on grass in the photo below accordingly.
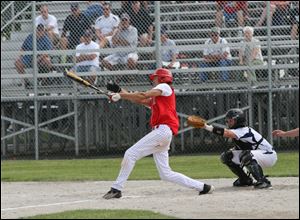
(46, 205)
(60, 203)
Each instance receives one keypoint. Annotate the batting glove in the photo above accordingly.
(115, 97)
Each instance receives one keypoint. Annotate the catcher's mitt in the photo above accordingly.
(196, 121)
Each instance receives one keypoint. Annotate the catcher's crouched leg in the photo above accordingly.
(243, 178)
(255, 169)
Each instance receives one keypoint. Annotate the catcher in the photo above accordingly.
(251, 150)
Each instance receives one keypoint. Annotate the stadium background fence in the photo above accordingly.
(45, 115)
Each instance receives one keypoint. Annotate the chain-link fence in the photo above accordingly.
(222, 54)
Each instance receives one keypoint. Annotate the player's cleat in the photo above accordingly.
(207, 189)
(113, 193)
(240, 183)
(263, 185)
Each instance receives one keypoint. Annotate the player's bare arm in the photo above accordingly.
(291, 133)
(142, 98)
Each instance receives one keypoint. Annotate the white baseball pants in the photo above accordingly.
(263, 158)
(157, 142)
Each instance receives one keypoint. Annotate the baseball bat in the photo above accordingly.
(70, 74)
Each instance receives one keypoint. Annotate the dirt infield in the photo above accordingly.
(24, 199)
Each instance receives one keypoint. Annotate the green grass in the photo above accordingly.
(104, 214)
(199, 167)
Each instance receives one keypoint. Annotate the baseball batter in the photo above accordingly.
(252, 151)
(164, 122)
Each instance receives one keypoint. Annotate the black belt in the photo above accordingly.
(269, 152)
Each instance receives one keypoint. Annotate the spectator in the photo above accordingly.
(124, 36)
(290, 133)
(234, 12)
(145, 41)
(147, 56)
(250, 53)
(105, 26)
(278, 12)
(76, 24)
(216, 56)
(87, 61)
(126, 5)
(168, 55)
(50, 24)
(294, 16)
(294, 21)
(94, 11)
(141, 19)
(43, 42)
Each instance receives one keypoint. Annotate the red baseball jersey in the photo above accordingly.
(164, 111)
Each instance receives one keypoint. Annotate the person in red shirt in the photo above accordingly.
(237, 10)
(164, 122)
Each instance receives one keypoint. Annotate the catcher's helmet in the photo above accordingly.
(164, 75)
(239, 117)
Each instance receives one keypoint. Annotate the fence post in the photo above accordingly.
(76, 126)
(35, 72)
(157, 34)
(270, 115)
(13, 15)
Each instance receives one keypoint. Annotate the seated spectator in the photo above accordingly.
(169, 55)
(294, 17)
(250, 53)
(105, 26)
(145, 41)
(234, 12)
(216, 56)
(50, 24)
(74, 27)
(126, 6)
(278, 13)
(43, 42)
(147, 56)
(94, 11)
(141, 19)
(125, 36)
(87, 61)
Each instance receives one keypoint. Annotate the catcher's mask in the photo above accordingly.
(164, 75)
(238, 116)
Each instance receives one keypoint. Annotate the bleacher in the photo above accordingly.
(188, 24)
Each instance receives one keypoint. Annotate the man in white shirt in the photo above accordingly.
(169, 56)
(106, 25)
(125, 36)
(50, 24)
(250, 53)
(216, 56)
(87, 61)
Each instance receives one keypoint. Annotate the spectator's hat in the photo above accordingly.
(74, 5)
(40, 27)
(215, 30)
(125, 16)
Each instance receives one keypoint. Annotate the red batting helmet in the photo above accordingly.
(164, 75)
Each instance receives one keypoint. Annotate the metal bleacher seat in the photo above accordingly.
(183, 27)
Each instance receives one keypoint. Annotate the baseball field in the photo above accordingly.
(74, 189)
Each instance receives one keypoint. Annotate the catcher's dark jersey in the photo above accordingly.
(249, 139)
